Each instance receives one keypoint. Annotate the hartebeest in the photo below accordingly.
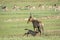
(37, 25)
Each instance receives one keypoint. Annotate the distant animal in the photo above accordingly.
(39, 5)
(31, 32)
(36, 24)
(16, 7)
(55, 5)
(4, 7)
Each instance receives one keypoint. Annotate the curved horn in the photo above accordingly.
(29, 18)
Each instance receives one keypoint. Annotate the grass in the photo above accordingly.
(32, 38)
(11, 29)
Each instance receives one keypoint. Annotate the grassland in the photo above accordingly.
(13, 23)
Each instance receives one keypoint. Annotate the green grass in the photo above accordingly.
(32, 38)
(14, 30)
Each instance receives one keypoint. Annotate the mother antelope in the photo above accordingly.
(37, 25)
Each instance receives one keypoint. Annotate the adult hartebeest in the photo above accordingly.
(37, 25)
